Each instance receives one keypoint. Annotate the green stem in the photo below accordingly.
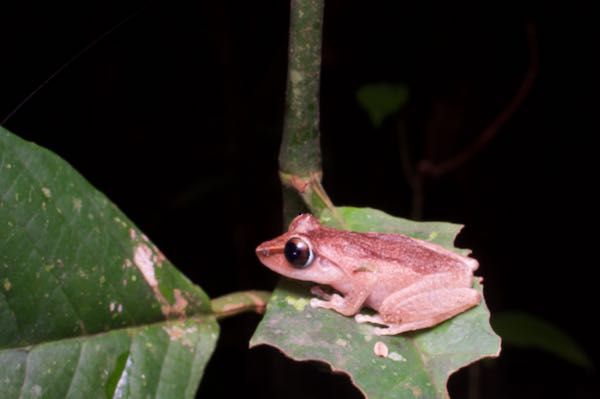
(240, 302)
(300, 152)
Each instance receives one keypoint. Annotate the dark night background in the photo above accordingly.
(177, 114)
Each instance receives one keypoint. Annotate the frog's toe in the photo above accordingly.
(363, 318)
(318, 303)
(394, 329)
(383, 331)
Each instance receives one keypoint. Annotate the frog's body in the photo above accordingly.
(410, 283)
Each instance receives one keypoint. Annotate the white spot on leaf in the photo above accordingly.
(180, 334)
(143, 260)
(47, 192)
(36, 391)
(77, 205)
(146, 261)
(119, 221)
(397, 357)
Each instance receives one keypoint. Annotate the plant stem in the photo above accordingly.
(240, 302)
(300, 152)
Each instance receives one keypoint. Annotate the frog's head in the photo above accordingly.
(296, 254)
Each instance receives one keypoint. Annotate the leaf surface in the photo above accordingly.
(418, 363)
(87, 302)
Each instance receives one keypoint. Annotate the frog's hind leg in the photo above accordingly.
(425, 310)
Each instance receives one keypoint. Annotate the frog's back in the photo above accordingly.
(396, 250)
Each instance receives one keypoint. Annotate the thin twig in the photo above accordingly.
(429, 168)
(240, 302)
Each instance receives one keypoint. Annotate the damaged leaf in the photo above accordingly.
(409, 365)
(89, 307)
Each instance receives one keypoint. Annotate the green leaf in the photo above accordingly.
(86, 300)
(368, 219)
(381, 100)
(418, 364)
(528, 331)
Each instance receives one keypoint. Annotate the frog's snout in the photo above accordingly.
(263, 250)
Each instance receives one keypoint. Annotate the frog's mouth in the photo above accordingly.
(270, 248)
(266, 252)
(270, 253)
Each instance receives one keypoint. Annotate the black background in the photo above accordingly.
(177, 114)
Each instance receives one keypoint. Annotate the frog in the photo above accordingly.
(409, 284)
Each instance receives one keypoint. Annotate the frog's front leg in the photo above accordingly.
(348, 304)
(319, 292)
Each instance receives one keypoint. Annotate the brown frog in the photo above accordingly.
(410, 283)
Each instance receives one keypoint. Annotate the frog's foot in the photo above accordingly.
(394, 329)
(375, 319)
(335, 302)
(318, 291)
(390, 329)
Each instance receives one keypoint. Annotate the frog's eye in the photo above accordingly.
(298, 253)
